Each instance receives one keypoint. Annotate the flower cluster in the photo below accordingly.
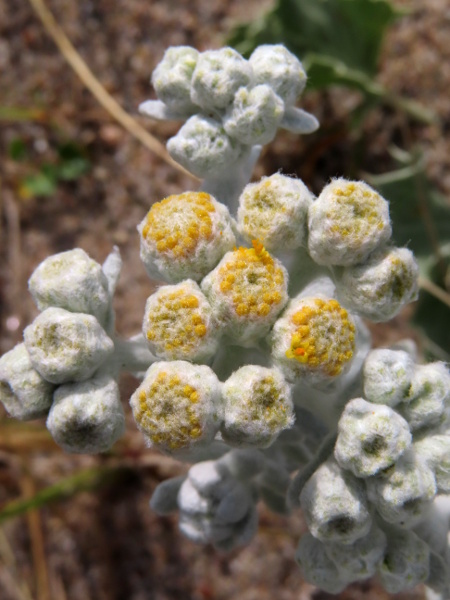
(254, 358)
(229, 103)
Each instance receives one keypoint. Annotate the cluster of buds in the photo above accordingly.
(254, 358)
(229, 103)
(371, 506)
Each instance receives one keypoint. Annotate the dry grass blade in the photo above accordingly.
(91, 82)
(10, 576)
(37, 543)
(435, 290)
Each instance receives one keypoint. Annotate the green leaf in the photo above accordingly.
(351, 31)
(17, 149)
(41, 184)
(70, 170)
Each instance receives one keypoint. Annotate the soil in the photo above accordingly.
(106, 544)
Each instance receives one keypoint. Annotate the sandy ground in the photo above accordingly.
(107, 544)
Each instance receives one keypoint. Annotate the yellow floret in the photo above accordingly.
(324, 337)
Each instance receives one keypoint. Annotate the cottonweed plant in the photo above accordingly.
(255, 363)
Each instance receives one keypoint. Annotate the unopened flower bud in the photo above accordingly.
(360, 559)
(23, 392)
(406, 562)
(184, 236)
(313, 340)
(317, 568)
(387, 376)
(65, 346)
(381, 287)
(403, 493)
(87, 417)
(435, 451)
(429, 396)
(279, 68)
(257, 407)
(254, 116)
(217, 77)
(275, 211)
(202, 147)
(335, 505)
(172, 78)
(247, 291)
(179, 324)
(371, 437)
(177, 406)
(347, 222)
(165, 497)
(73, 281)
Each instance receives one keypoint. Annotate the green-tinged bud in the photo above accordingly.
(177, 406)
(23, 392)
(435, 451)
(202, 147)
(275, 212)
(347, 222)
(316, 566)
(371, 437)
(257, 407)
(184, 236)
(179, 324)
(279, 68)
(406, 562)
(87, 417)
(65, 346)
(402, 494)
(217, 77)
(387, 376)
(381, 287)
(254, 116)
(429, 396)
(73, 281)
(314, 340)
(335, 505)
(247, 290)
(172, 78)
(359, 560)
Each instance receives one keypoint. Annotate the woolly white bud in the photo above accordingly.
(65, 346)
(177, 406)
(428, 397)
(347, 222)
(371, 437)
(314, 340)
(360, 559)
(335, 505)
(23, 392)
(380, 288)
(275, 212)
(179, 324)
(247, 290)
(202, 147)
(276, 66)
(403, 493)
(317, 568)
(217, 77)
(406, 562)
(254, 116)
(172, 78)
(185, 236)
(387, 376)
(87, 417)
(257, 407)
(73, 281)
(435, 451)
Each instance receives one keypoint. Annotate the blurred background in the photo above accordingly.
(77, 527)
